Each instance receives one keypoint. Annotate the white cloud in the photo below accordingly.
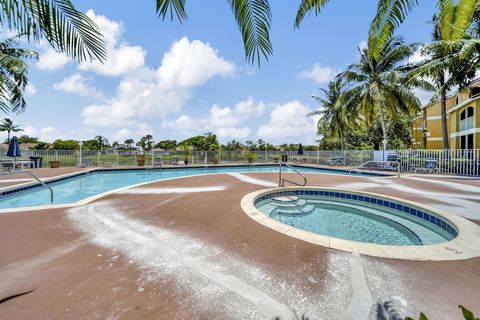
(145, 92)
(362, 45)
(30, 89)
(225, 122)
(288, 123)
(232, 132)
(423, 96)
(48, 134)
(143, 129)
(417, 56)
(51, 60)
(185, 123)
(191, 63)
(122, 135)
(121, 57)
(30, 131)
(80, 85)
(319, 74)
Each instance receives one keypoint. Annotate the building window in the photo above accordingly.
(466, 141)
(466, 119)
(457, 100)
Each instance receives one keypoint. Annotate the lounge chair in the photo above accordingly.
(336, 161)
(429, 167)
(109, 164)
(174, 160)
(392, 162)
(6, 165)
(157, 162)
(87, 162)
(181, 162)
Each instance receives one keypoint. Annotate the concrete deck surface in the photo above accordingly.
(183, 249)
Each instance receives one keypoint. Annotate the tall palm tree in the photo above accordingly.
(57, 21)
(335, 116)
(448, 64)
(101, 141)
(13, 75)
(377, 85)
(129, 142)
(7, 125)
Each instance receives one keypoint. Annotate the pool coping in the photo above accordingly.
(34, 184)
(465, 246)
(170, 167)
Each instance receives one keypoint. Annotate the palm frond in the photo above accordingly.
(390, 14)
(254, 18)
(447, 18)
(306, 6)
(64, 27)
(172, 8)
(464, 13)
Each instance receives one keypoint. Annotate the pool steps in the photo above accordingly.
(296, 207)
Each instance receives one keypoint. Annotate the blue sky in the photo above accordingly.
(176, 80)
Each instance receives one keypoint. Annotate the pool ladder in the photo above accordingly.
(36, 178)
(281, 181)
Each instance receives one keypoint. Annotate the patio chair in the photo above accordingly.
(109, 164)
(175, 160)
(181, 162)
(392, 158)
(157, 162)
(429, 166)
(332, 161)
(6, 165)
(340, 161)
(392, 162)
(87, 162)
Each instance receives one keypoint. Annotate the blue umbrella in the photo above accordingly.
(300, 150)
(14, 150)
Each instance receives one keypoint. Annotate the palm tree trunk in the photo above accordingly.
(342, 146)
(443, 105)
(384, 127)
(8, 136)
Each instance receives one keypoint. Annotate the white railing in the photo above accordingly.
(455, 161)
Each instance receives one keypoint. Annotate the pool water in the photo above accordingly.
(84, 186)
(346, 219)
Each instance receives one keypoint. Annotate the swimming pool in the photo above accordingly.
(349, 216)
(82, 186)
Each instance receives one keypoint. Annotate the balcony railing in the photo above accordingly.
(466, 124)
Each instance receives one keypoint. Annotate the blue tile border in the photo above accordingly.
(428, 217)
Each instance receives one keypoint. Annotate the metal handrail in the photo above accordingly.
(281, 181)
(34, 177)
(363, 164)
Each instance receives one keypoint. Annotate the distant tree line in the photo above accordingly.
(208, 142)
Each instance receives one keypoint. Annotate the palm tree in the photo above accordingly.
(146, 142)
(7, 125)
(391, 14)
(129, 142)
(378, 86)
(447, 64)
(335, 116)
(101, 142)
(57, 21)
(13, 75)
(252, 16)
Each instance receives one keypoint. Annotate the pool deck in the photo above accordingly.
(184, 248)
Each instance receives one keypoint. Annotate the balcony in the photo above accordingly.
(466, 124)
